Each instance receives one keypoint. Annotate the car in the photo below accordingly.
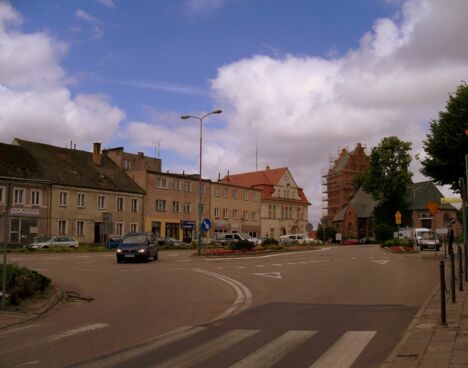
(174, 243)
(227, 238)
(113, 241)
(54, 241)
(295, 238)
(429, 239)
(138, 246)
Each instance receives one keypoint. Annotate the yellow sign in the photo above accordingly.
(398, 218)
(450, 200)
(432, 207)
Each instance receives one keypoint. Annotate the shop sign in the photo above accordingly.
(188, 224)
(19, 211)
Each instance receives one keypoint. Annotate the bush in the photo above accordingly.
(22, 283)
(383, 232)
(241, 245)
(398, 242)
(269, 241)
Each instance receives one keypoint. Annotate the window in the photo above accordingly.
(63, 199)
(161, 182)
(187, 207)
(81, 200)
(226, 192)
(246, 196)
(119, 228)
(234, 194)
(175, 207)
(254, 216)
(101, 202)
(2, 195)
(216, 212)
(274, 211)
(216, 191)
(80, 228)
(270, 211)
(18, 196)
(226, 213)
(160, 205)
(127, 165)
(134, 205)
(120, 203)
(176, 185)
(203, 209)
(36, 197)
(188, 186)
(133, 228)
(254, 196)
(234, 214)
(246, 215)
(290, 213)
(203, 188)
(62, 227)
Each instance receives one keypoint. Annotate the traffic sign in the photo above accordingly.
(205, 225)
(450, 200)
(398, 218)
(432, 207)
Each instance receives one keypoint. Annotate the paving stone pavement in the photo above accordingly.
(429, 344)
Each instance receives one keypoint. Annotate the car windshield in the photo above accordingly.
(41, 240)
(429, 235)
(135, 239)
(246, 236)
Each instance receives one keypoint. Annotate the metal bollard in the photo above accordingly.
(443, 312)
(460, 268)
(452, 277)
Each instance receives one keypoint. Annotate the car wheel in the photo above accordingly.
(438, 248)
(146, 258)
(156, 256)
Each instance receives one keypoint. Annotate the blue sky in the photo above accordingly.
(297, 80)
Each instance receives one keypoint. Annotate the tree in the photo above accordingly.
(447, 144)
(325, 231)
(388, 178)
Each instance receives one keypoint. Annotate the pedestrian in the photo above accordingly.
(450, 236)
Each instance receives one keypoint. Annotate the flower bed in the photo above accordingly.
(223, 252)
(401, 249)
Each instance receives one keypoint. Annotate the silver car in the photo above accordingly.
(56, 241)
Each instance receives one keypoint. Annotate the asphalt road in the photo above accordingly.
(334, 307)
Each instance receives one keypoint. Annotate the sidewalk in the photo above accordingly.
(427, 343)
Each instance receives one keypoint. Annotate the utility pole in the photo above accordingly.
(6, 223)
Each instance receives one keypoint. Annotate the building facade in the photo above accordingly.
(284, 206)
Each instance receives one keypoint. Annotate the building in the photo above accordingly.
(235, 209)
(89, 197)
(284, 206)
(338, 180)
(24, 196)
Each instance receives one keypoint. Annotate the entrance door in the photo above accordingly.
(97, 232)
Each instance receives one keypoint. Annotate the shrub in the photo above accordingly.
(398, 242)
(269, 241)
(383, 232)
(22, 283)
(241, 245)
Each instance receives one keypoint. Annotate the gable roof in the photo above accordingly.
(421, 193)
(16, 162)
(363, 204)
(76, 168)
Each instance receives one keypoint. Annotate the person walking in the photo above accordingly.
(450, 237)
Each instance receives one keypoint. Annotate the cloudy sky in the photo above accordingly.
(299, 80)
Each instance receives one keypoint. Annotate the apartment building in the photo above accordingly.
(235, 209)
(89, 197)
(284, 206)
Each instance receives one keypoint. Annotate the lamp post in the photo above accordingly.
(200, 179)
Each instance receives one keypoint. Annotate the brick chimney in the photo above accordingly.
(97, 153)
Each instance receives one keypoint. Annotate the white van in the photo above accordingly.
(296, 238)
(418, 233)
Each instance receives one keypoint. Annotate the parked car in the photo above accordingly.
(227, 238)
(429, 239)
(138, 246)
(296, 238)
(113, 241)
(55, 241)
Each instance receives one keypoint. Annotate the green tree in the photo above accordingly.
(388, 178)
(325, 231)
(447, 144)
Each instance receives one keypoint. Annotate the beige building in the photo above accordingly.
(284, 206)
(90, 197)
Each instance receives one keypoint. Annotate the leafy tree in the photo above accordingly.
(388, 178)
(325, 231)
(447, 143)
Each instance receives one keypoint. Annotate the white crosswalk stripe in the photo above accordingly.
(346, 350)
(207, 350)
(275, 350)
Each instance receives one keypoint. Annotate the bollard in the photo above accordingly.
(452, 277)
(443, 313)
(460, 268)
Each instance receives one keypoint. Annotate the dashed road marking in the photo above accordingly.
(76, 331)
(273, 275)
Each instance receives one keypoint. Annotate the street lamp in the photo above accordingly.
(200, 179)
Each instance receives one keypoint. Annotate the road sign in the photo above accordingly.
(205, 225)
(450, 200)
(432, 207)
(398, 218)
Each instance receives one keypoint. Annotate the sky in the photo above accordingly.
(297, 80)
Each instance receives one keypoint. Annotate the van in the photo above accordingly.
(418, 234)
(295, 238)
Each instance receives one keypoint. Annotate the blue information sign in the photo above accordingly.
(205, 225)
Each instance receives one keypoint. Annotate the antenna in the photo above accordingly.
(159, 150)
(256, 153)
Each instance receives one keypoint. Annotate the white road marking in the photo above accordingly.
(220, 268)
(76, 331)
(18, 259)
(132, 270)
(52, 258)
(274, 351)
(303, 262)
(260, 266)
(86, 269)
(274, 275)
(173, 254)
(17, 329)
(345, 351)
(183, 260)
(382, 262)
(243, 299)
(83, 257)
(277, 264)
(353, 257)
(108, 255)
(153, 344)
(207, 350)
(256, 257)
(34, 362)
(240, 267)
(291, 263)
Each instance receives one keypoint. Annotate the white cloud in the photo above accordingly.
(197, 7)
(94, 22)
(35, 102)
(108, 3)
(301, 110)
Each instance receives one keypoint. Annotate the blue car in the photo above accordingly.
(140, 246)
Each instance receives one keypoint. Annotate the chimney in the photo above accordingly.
(141, 155)
(97, 153)
(267, 167)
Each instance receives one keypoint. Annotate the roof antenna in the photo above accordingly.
(256, 153)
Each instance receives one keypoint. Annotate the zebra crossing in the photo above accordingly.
(160, 352)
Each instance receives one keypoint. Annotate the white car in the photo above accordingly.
(56, 241)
